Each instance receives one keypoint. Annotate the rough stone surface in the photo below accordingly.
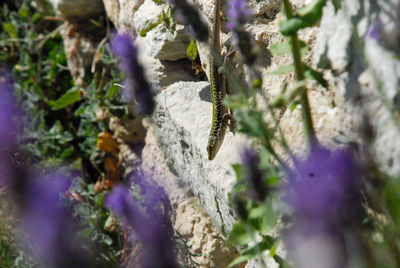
(341, 49)
(112, 8)
(78, 10)
(190, 220)
(162, 43)
(266, 8)
(183, 121)
(127, 10)
(79, 49)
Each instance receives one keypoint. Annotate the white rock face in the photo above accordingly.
(339, 48)
(183, 121)
(77, 10)
(112, 8)
(161, 42)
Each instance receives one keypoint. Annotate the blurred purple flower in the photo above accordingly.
(253, 175)
(49, 224)
(137, 88)
(186, 14)
(238, 14)
(8, 112)
(322, 183)
(152, 229)
(387, 34)
(325, 195)
(376, 30)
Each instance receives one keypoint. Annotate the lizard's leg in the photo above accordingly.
(230, 121)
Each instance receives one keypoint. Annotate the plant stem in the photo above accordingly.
(308, 128)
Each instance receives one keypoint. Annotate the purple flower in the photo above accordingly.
(186, 14)
(137, 88)
(8, 112)
(322, 184)
(153, 230)
(238, 14)
(376, 30)
(49, 225)
(324, 194)
(387, 34)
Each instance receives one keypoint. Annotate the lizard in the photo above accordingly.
(221, 116)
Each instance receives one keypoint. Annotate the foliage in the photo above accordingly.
(60, 118)
(337, 200)
(325, 198)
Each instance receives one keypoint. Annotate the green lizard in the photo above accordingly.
(222, 117)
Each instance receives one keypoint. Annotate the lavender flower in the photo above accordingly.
(376, 30)
(387, 34)
(238, 16)
(152, 231)
(49, 225)
(324, 194)
(188, 15)
(8, 112)
(137, 88)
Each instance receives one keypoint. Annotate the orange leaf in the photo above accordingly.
(111, 168)
(106, 143)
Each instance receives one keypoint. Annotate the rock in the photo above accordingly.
(190, 220)
(79, 49)
(163, 73)
(112, 8)
(268, 8)
(161, 42)
(183, 119)
(127, 9)
(78, 10)
(369, 83)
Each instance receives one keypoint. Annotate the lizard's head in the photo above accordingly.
(213, 147)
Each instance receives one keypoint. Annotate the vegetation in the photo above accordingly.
(334, 207)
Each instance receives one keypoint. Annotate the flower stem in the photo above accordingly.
(308, 128)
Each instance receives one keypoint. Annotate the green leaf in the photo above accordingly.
(280, 48)
(254, 251)
(305, 17)
(149, 26)
(283, 69)
(238, 235)
(191, 50)
(269, 218)
(67, 152)
(239, 170)
(10, 29)
(293, 106)
(315, 75)
(112, 91)
(68, 98)
(236, 101)
(285, 47)
(158, 2)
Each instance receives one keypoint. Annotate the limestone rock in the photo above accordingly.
(161, 42)
(112, 8)
(78, 10)
(127, 9)
(190, 220)
(267, 8)
(364, 87)
(183, 120)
